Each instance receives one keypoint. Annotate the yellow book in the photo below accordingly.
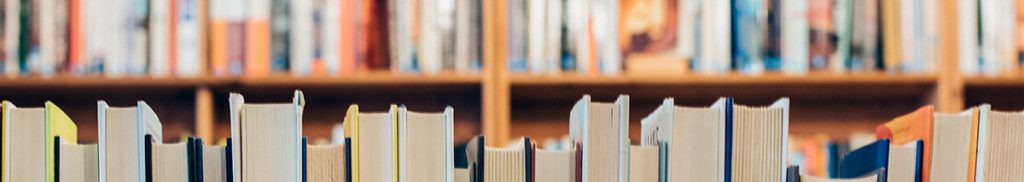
(351, 125)
(6, 106)
(57, 124)
(393, 112)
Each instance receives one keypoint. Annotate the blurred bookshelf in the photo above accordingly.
(502, 104)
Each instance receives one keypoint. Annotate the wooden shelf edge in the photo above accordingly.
(726, 79)
(998, 81)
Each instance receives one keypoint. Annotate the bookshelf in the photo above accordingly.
(502, 105)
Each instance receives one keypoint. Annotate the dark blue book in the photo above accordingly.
(865, 160)
(728, 139)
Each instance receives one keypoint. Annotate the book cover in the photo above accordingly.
(864, 160)
(911, 127)
(57, 124)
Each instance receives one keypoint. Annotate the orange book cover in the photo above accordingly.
(972, 160)
(172, 37)
(347, 52)
(592, 62)
(219, 47)
(258, 49)
(911, 127)
(76, 49)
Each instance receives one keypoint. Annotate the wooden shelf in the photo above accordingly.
(69, 81)
(994, 82)
(814, 78)
(368, 79)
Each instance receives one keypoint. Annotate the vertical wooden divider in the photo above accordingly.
(496, 97)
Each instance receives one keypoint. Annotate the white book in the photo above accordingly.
(425, 145)
(464, 27)
(160, 31)
(686, 27)
(715, 43)
(11, 36)
(695, 137)
(303, 43)
(122, 132)
(605, 14)
(189, 34)
(999, 144)
(535, 36)
(331, 36)
(266, 139)
(902, 162)
(170, 162)
(430, 44)
(553, 36)
(998, 39)
(967, 36)
(578, 24)
(602, 131)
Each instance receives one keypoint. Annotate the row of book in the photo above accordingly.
(188, 38)
(755, 36)
(721, 142)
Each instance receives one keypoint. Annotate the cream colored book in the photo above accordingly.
(170, 162)
(759, 136)
(643, 163)
(325, 163)
(121, 140)
(425, 145)
(601, 129)
(266, 139)
(1000, 142)
(903, 162)
(951, 141)
(215, 163)
(695, 138)
(555, 165)
(506, 163)
(78, 163)
(374, 144)
(29, 141)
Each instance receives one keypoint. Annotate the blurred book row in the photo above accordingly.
(757, 36)
(238, 37)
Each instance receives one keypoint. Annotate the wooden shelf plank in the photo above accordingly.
(69, 81)
(727, 79)
(365, 79)
(997, 81)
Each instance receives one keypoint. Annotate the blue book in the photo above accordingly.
(865, 160)
(728, 139)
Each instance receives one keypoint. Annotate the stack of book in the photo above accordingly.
(721, 142)
(189, 38)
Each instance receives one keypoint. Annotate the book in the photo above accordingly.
(554, 165)
(758, 139)
(905, 161)
(911, 127)
(190, 44)
(795, 37)
(694, 137)
(325, 162)
(11, 27)
(605, 20)
(266, 139)
(168, 161)
(535, 38)
(76, 162)
(647, 32)
(999, 139)
(998, 52)
(162, 31)
(227, 37)
(891, 37)
(257, 38)
(750, 30)
(475, 158)
(864, 46)
(517, 35)
(875, 176)
(374, 155)
(303, 37)
(951, 145)
(461, 175)
(512, 162)
(553, 36)
(714, 44)
(601, 130)
(29, 140)
(644, 163)
(402, 34)
(215, 162)
(122, 135)
(425, 145)
(865, 160)
(968, 46)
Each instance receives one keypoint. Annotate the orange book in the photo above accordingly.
(172, 37)
(76, 49)
(258, 47)
(592, 62)
(972, 160)
(347, 52)
(219, 47)
(909, 128)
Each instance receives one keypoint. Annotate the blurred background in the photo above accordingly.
(514, 67)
